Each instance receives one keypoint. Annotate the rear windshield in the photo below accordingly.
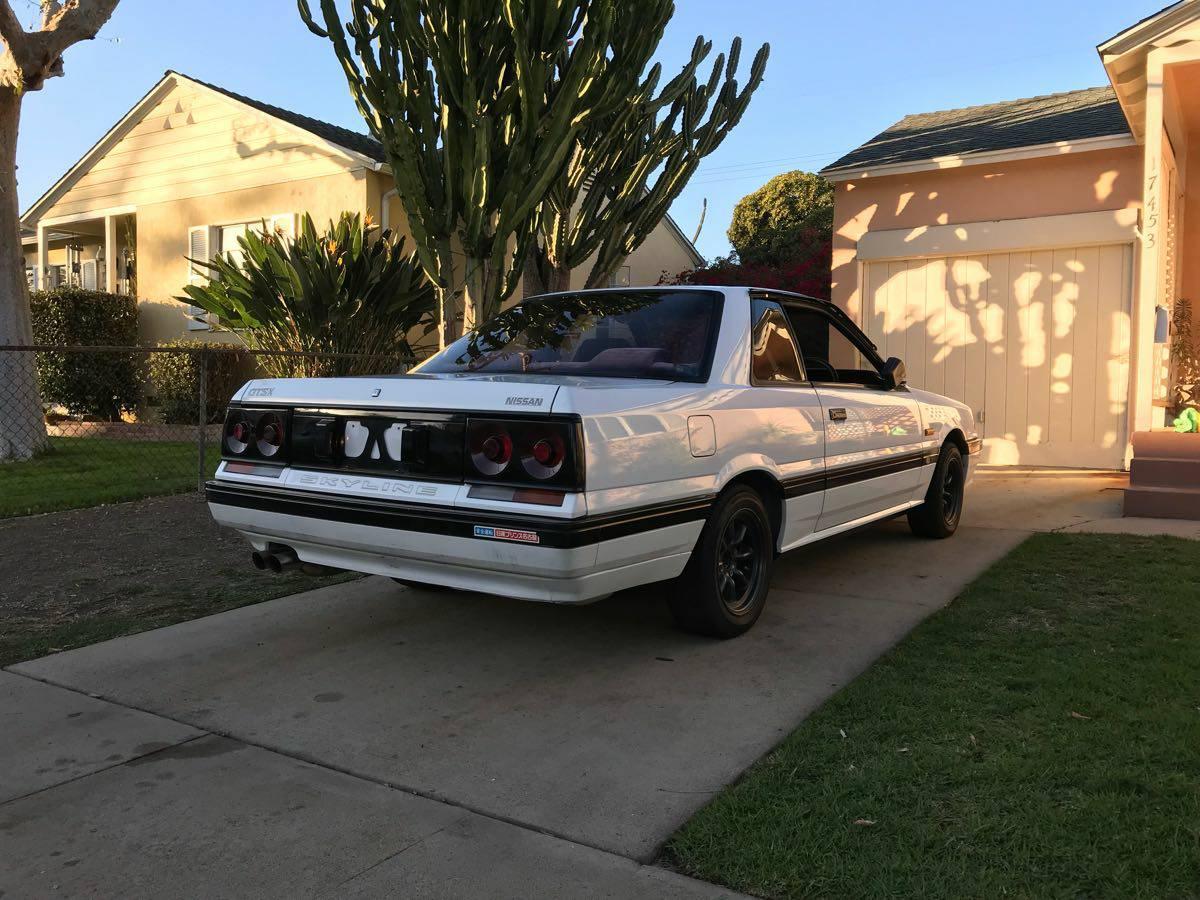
(665, 335)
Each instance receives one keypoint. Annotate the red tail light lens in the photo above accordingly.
(491, 448)
(238, 435)
(524, 452)
(270, 433)
(256, 434)
(545, 457)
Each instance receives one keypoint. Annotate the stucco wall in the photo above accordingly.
(162, 230)
(1047, 186)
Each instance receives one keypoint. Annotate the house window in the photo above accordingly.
(89, 275)
(207, 241)
(227, 235)
(621, 278)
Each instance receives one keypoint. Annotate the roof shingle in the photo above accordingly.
(1071, 116)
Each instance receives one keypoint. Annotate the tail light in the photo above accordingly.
(255, 434)
(546, 453)
(270, 433)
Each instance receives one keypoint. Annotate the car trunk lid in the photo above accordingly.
(433, 393)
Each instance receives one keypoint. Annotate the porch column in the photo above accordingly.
(110, 254)
(1143, 371)
(43, 257)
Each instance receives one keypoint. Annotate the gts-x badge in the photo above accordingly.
(524, 401)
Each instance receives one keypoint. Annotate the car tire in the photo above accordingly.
(939, 515)
(723, 590)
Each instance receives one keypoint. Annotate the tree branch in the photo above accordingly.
(33, 57)
(10, 28)
(65, 24)
(50, 9)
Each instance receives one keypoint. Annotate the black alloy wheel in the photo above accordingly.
(739, 561)
(723, 590)
(939, 516)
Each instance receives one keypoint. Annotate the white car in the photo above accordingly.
(583, 443)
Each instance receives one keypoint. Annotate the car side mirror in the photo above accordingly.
(894, 374)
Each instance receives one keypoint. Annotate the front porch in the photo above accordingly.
(95, 252)
(1154, 68)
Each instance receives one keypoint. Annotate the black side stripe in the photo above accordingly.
(440, 520)
(875, 468)
(558, 533)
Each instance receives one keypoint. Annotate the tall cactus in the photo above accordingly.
(478, 104)
(626, 170)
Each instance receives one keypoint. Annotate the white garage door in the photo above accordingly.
(1037, 343)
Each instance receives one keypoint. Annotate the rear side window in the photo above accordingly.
(774, 359)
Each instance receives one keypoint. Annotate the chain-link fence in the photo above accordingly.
(95, 425)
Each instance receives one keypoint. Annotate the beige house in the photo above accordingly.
(1025, 257)
(190, 168)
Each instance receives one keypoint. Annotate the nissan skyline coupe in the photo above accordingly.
(583, 443)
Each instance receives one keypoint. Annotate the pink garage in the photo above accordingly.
(1025, 257)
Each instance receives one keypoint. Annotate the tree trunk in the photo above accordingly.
(22, 425)
(475, 293)
(541, 276)
(533, 283)
(601, 276)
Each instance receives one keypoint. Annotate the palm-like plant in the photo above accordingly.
(344, 291)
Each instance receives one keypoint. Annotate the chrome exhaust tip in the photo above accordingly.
(283, 559)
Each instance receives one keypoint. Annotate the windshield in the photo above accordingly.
(663, 334)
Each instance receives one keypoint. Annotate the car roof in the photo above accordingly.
(749, 289)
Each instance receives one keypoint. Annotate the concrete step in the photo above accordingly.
(1168, 473)
(1166, 445)
(1162, 503)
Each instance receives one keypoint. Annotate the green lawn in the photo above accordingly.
(1040, 737)
(82, 472)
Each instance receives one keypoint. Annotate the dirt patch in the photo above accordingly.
(72, 578)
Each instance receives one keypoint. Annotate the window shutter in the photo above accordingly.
(87, 273)
(201, 246)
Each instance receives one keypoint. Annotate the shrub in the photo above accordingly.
(776, 223)
(101, 385)
(343, 291)
(809, 272)
(175, 379)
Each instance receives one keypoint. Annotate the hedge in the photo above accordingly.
(99, 385)
(175, 379)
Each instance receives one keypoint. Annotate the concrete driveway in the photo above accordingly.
(367, 740)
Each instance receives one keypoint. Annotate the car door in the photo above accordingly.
(784, 420)
(874, 442)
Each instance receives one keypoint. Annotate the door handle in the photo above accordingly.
(837, 414)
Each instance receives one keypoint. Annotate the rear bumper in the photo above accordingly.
(529, 557)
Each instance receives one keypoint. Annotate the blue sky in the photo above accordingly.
(839, 74)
